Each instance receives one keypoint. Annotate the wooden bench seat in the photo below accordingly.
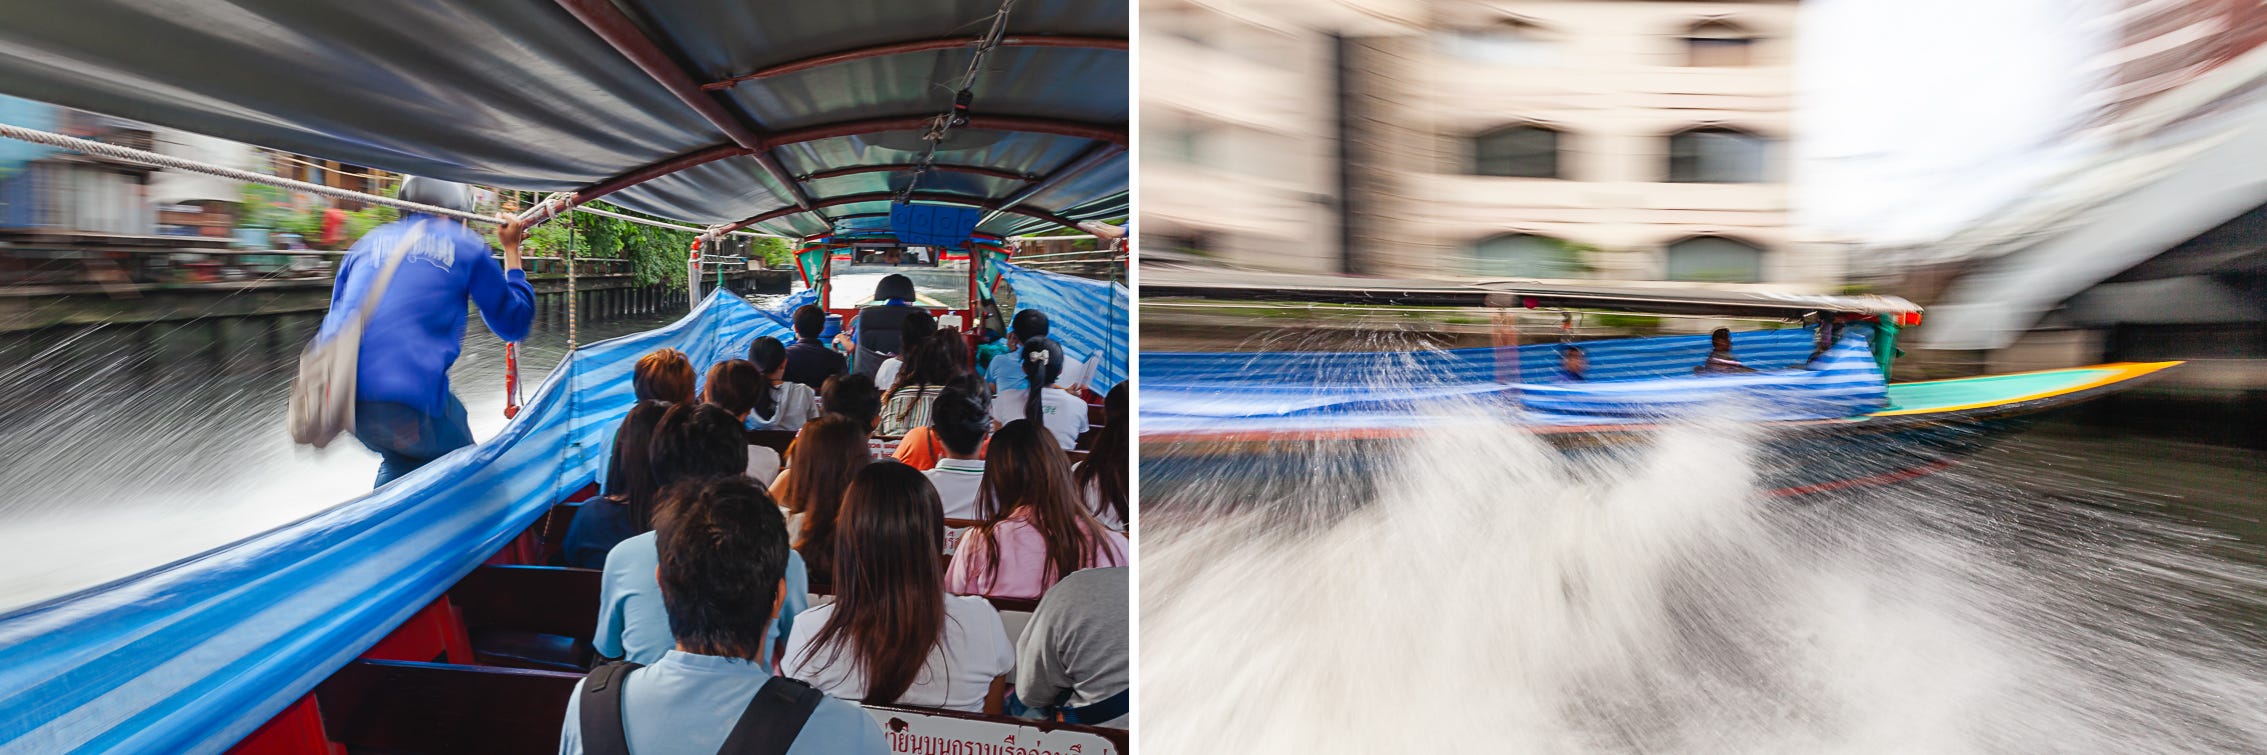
(410, 707)
(533, 617)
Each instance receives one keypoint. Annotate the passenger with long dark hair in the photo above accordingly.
(601, 523)
(1036, 530)
(892, 636)
(777, 403)
(827, 455)
(1044, 403)
(691, 442)
(916, 330)
(928, 367)
(722, 575)
(1102, 476)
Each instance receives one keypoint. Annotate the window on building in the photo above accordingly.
(1719, 44)
(1520, 255)
(1715, 259)
(1508, 42)
(1517, 151)
(1717, 155)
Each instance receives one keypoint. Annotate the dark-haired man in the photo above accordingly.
(692, 442)
(809, 361)
(724, 553)
(959, 422)
(1720, 360)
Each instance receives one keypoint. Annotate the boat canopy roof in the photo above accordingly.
(1629, 296)
(785, 118)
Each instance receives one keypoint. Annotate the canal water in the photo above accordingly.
(2078, 588)
(124, 448)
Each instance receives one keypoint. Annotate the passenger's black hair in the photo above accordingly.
(853, 396)
(960, 417)
(1042, 364)
(895, 286)
(768, 354)
(916, 327)
(698, 440)
(723, 549)
(1028, 324)
(629, 473)
(810, 322)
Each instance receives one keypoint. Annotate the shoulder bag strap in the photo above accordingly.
(773, 719)
(386, 273)
(601, 716)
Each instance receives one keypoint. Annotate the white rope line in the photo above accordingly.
(153, 159)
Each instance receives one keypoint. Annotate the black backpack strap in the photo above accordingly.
(601, 717)
(773, 719)
(1102, 710)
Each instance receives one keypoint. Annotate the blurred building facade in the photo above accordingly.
(1622, 139)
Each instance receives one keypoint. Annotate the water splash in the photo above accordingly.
(1476, 589)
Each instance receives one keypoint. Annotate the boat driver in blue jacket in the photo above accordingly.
(403, 408)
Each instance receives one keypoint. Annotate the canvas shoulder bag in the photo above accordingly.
(322, 397)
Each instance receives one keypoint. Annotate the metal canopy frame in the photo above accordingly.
(628, 36)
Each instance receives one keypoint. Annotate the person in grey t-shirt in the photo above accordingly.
(1074, 652)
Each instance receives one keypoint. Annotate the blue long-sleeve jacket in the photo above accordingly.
(418, 329)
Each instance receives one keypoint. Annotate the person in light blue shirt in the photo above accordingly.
(692, 441)
(633, 626)
(721, 578)
(1005, 373)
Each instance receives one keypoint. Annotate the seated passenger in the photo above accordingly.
(692, 441)
(1101, 477)
(662, 375)
(734, 385)
(809, 362)
(1072, 662)
(920, 446)
(603, 522)
(722, 580)
(782, 404)
(1574, 365)
(958, 425)
(892, 636)
(877, 330)
(1005, 372)
(917, 328)
(1036, 530)
(853, 396)
(826, 456)
(929, 367)
(1063, 414)
(1720, 359)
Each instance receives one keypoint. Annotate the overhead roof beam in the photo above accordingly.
(908, 168)
(925, 45)
(980, 203)
(862, 127)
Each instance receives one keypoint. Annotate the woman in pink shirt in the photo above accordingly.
(1037, 529)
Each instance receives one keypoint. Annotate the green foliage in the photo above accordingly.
(656, 255)
(265, 206)
(1625, 321)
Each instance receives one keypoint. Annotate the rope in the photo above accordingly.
(153, 159)
(963, 97)
(569, 255)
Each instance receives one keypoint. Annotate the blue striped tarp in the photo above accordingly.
(1088, 317)
(1642, 379)
(192, 656)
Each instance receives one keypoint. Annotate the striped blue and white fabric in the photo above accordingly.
(192, 656)
(1630, 380)
(1089, 317)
